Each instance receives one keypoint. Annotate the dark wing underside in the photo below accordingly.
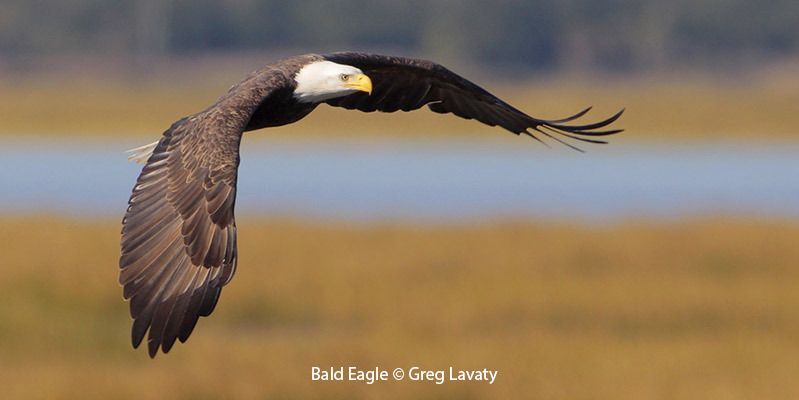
(179, 234)
(408, 84)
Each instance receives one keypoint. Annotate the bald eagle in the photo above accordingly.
(179, 233)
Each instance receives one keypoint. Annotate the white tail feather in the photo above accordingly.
(140, 155)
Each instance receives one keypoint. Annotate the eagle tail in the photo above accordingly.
(141, 154)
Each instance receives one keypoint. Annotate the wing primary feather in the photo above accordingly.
(572, 118)
(166, 337)
(144, 316)
(573, 147)
(597, 133)
(588, 127)
(193, 309)
(582, 139)
(528, 133)
(164, 306)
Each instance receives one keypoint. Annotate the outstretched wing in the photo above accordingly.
(407, 84)
(179, 234)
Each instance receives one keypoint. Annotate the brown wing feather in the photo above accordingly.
(408, 84)
(179, 233)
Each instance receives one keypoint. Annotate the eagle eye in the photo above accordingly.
(344, 77)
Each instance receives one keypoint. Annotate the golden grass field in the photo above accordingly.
(690, 309)
(678, 108)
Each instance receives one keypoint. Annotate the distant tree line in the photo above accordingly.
(527, 34)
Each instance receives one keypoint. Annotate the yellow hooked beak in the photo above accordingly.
(360, 82)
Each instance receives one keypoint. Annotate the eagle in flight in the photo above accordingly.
(179, 232)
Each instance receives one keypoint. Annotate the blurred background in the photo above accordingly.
(662, 265)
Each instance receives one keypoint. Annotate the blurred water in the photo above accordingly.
(443, 180)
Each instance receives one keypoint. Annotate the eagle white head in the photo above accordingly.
(324, 80)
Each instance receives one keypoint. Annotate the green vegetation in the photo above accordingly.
(690, 309)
